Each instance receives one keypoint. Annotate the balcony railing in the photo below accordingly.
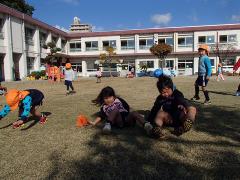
(74, 50)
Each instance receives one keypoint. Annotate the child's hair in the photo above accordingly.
(105, 92)
(164, 82)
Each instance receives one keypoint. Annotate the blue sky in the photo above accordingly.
(106, 15)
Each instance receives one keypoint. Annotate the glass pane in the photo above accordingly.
(189, 65)
(212, 62)
(105, 43)
(88, 44)
(169, 41)
(131, 43)
(123, 43)
(150, 64)
(223, 38)
(210, 39)
(181, 41)
(149, 42)
(142, 42)
(72, 45)
(202, 39)
(189, 40)
(232, 38)
(78, 45)
(181, 65)
(94, 44)
(113, 43)
(161, 41)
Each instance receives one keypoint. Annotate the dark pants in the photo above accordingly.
(201, 81)
(69, 84)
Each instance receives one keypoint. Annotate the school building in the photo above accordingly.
(22, 38)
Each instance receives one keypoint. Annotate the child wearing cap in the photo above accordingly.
(27, 101)
(204, 73)
(69, 77)
(170, 109)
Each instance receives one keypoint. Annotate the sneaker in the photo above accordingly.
(238, 93)
(107, 128)
(43, 119)
(207, 102)
(148, 128)
(195, 98)
(72, 92)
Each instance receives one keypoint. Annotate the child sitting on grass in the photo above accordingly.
(170, 109)
(27, 101)
(115, 111)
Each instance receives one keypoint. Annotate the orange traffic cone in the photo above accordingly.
(81, 121)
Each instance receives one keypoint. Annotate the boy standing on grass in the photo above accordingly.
(204, 73)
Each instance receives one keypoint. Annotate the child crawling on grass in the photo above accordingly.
(170, 109)
(115, 111)
(27, 101)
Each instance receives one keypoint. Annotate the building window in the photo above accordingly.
(145, 43)
(206, 39)
(228, 62)
(212, 62)
(127, 44)
(168, 40)
(75, 46)
(149, 64)
(169, 64)
(43, 38)
(29, 33)
(54, 40)
(91, 46)
(1, 28)
(30, 65)
(111, 43)
(185, 41)
(183, 64)
(228, 38)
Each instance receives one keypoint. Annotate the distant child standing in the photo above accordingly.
(99, 75)
(219, 72)
(204, 73)
(69, 77)
(115, 111)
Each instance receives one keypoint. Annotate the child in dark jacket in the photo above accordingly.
(115, 111)
(170, 109)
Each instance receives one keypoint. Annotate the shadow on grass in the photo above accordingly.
(129, 154)
(222, 93)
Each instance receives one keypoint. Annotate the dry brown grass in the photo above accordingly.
(59, 150)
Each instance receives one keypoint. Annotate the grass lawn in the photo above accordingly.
(59, 150)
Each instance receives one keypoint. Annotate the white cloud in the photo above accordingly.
(99, 28)
(161, 19)
(193, 18)
(139, 24)
(61, 28)
(236, 18)
(74, 2)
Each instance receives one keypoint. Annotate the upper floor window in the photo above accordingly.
(1, 28)
(29, 33)
(91, 45)
(43, 38)
(168, 40)
(206, 39)
(185, 41)
(75, 46)
(110, 43)
(127, 44)
(145, 43)
(228, 38)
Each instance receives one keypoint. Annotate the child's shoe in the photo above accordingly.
(148, 128)
(43, 119)
(107, 128)
(207, 102)
(195, 98)
(238, 93)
